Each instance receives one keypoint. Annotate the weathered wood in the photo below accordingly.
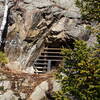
(46, 60)
(4, 20)
(49, 65)
(51, 56)
(52, 49)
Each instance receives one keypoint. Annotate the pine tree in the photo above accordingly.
(80, 76)
(90, 9)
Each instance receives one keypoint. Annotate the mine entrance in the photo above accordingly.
(50, 57)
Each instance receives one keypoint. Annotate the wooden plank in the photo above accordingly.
(4, 20)
(46, 60)
(40, 71)
(48, 56)
(40, 63)
(49, 65)
(51, 53)
(41, 67)
(52, 48)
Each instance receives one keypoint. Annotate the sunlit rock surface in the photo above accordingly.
(29, 20)
(27, 23)
(9, 95)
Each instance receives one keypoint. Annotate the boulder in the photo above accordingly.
(76, 30)
(23, 96)
(29, 70)
(39, 91)
(28, 1)
(41, 3)
(61, 36)
(71, 9)
(59, 26)
(14, 65)
(7, 85)
(9, 95)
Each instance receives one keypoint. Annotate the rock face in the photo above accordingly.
(8, 96)
(30, 20)
(29, 24)
(39, 91)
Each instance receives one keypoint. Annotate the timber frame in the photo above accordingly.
(4, 21)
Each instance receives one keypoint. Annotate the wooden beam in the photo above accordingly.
(49, 65)
(4, 20)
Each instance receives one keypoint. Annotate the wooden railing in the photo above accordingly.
(4, 20)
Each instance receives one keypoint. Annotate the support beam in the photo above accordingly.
(49, 65)
(4, 20)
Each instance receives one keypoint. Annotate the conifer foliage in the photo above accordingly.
(90, 9)
(80, 75)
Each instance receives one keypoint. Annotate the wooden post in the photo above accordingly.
(4, 20)
(49, 65)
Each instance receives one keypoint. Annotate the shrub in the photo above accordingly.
(3, 58)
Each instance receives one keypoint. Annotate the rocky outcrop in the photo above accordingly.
(39, 91)
(42, 90)
(28, 20)
(9, 95)
(31, 23)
